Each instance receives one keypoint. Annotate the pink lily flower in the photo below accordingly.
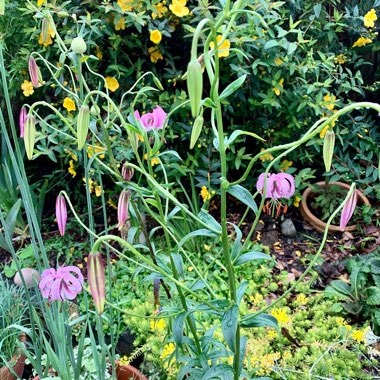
(22, 120)
(61, 213)
(61, 284)
(279, 185)
(122, 209)
(152, 120)
(348, 210)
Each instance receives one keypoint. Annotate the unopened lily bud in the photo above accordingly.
(158, 83)
(61, 213)
(83, 124)
(78, 45)
(29, 135)
(122, 209)
(96, 280)
(94, 110)
(195, 86)
(33, 71)
(22, 120)
(196, 131)
(348, 208)
(127, 172)
(45, 30)
(328, 149)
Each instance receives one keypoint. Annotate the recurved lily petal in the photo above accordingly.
(61, 213)
(96, 280)
(348, 209)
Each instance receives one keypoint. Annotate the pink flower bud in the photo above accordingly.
(22, 120)
(61, 213)
(33, 71)
(348, 209)
(122, 208)
(96, 280)
(127, 172)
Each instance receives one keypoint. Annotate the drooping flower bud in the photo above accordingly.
(96, 280)
(127, 172)
(33, 71)
(29, 135)
(195, 86)
(348, 209)
(83, 124)
(61, 213)
(45, 30)
(78, 45)
(22, 120)
(196, 131)
(328, 149)
(122, 209)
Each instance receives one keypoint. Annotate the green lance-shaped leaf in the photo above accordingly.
(328, 149)
(196, 131)
(29, 135)
(83, 124)
(229, 326)
(195, 86)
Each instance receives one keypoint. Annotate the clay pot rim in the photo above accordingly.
(130, 368)
(317, 223)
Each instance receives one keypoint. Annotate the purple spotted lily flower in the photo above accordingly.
(22, 120)
(61, 284)
(348, 210)
(278, 186)
(152, 120)
(61, 213)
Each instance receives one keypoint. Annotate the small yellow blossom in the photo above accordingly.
(362, 41)
(71, 168)
(205, 194)
(178, 7)
(329, 101)
(69, 104)
(157, 325)
(266, 156)
(167, 350)
(266, 362)
(120, 25)
(207, 247)
(256, 299)
(153, 160)
(73, 156)
(281, 315)
(278, 61)
(155, 36)
(297, 200)
(340, 59)
(301, 299)
(224, 48)
(155, 54)
(159, 10)
(98, 191)
(99, 53)
(358, 335)
(112, 84)
(125, 5)
(190, 269)
(139, 137)
(46, 42)
(27, 88)
(285, 165)
(272, 333)
(94, 149)
(124, 360)
(276, 89)
(40, 2)
(343, 323)
(324, 131)
(112, 203)
(370, 18)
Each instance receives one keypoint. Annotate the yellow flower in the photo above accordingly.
(178, 7)
(158, 325)
(27, 88)
(98, 191)
(205, 194)
(167, 350)
(285, 165)
(155, 36)
(207, 247)
(71, 168)
(160, 10)
(301, 298)
(69, 104)
(362, 41)
(93, 149)
(297, 201)
(224, 48)
(190, 269)
(40, 2)
(48, 40)
(99, 53)
(256, 299)
(276, 89)
(281, 315)
(340, 59)
(329, 101)
(370, 18)
(358, 335)
(73, 156)
(266, 156)
(272, 333)
(120, 25)
(343, 323)
(154, 160)
(155, 54)
(324, 131)
(278, 61)
(124, 360)
(125, 5)
(112, 84)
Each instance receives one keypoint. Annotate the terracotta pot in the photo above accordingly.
(318, 224)
(18, 367)
(127, 372)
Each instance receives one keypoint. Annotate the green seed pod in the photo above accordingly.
(29, 135)
(195, 86)
(78, 45)
(83, 124)
(328, 149)
(196, 131)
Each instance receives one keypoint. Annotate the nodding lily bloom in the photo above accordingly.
(22, 120)
(96, 281)
(278, 186)
(127, 172)
(122, 209)
(348, 209)
(152, 120)
(61, 284)
(61, 213)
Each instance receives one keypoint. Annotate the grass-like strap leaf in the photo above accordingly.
(250, 256)
(229, 326)
(205, 217)
(201, 232)
(232, 87)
